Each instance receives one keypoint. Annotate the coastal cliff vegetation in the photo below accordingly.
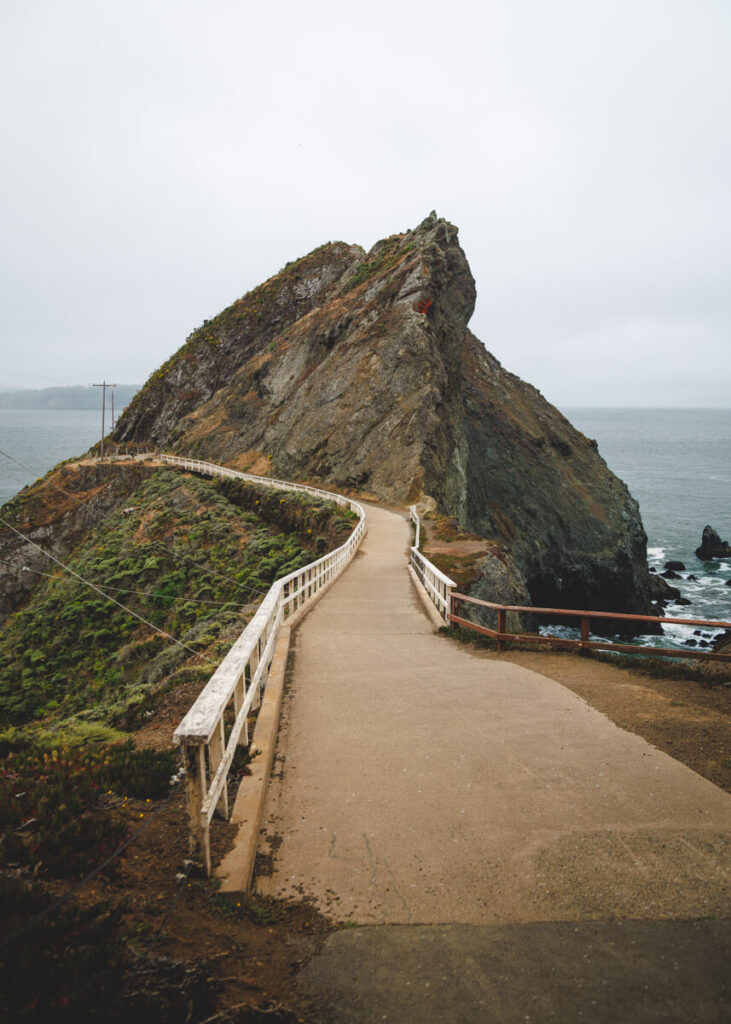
(89, 697)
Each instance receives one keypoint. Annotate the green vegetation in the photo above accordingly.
(191, 557)
(49, 818)
(57, 824)
(76, 970)
(383, 257)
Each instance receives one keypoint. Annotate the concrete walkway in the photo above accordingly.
(417, 784)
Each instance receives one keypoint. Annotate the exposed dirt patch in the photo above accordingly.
(170, 709)
(253, 462)
(453, 550)
(445, 530)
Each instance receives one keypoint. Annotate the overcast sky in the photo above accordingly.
(162, 158)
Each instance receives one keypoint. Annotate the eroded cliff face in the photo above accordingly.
(358, 370)
(540, 485)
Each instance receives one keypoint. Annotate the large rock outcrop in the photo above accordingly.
(712, 546)
(358, 370)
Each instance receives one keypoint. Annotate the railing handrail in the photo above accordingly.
(438, 574)
(502, 634)
(416, 519)
(437, 585)
(576, 613)
(242, 674)
(200, 721)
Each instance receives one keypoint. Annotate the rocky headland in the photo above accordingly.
(358, 370)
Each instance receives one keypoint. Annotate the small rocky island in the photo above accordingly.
(712, 546)
(358, 370)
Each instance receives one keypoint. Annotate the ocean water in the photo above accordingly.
(39, 438)
(677, 464)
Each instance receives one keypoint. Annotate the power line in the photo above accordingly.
(102, 518)
(17, 463)
(98, 590)
(62, 490)
(122, 590)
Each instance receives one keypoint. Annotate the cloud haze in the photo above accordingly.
(162, 158)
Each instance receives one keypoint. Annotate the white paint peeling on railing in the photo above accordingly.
(208, 742)
(437, 586)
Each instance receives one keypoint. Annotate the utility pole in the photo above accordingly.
(104, 387)
(113, 409)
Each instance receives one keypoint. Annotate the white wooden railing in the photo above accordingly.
(208, 736)
(438, 587)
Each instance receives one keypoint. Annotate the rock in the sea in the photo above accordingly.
(722, 643)
(670, 574)
(675, 566)
(358, 370)
(661, 591)
(682, 600)
(712, 546)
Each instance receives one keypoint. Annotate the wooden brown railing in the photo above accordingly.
(502, 635)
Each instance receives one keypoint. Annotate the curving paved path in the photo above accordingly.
(419, 784)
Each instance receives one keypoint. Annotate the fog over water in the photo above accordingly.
(161, 159)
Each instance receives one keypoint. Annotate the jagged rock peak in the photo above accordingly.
(358, 370)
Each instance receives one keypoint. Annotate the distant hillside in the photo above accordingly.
(78, 396)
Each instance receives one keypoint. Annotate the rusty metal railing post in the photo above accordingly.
(585, 619)
(501, 619)
(584, 632)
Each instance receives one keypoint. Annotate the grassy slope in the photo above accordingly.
(77, 673)
(192, 557)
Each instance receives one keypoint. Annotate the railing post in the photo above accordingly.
(261, 643)
(239, 695)
(501, 629)
(216, 749)
(195, 781)
(584, 631)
